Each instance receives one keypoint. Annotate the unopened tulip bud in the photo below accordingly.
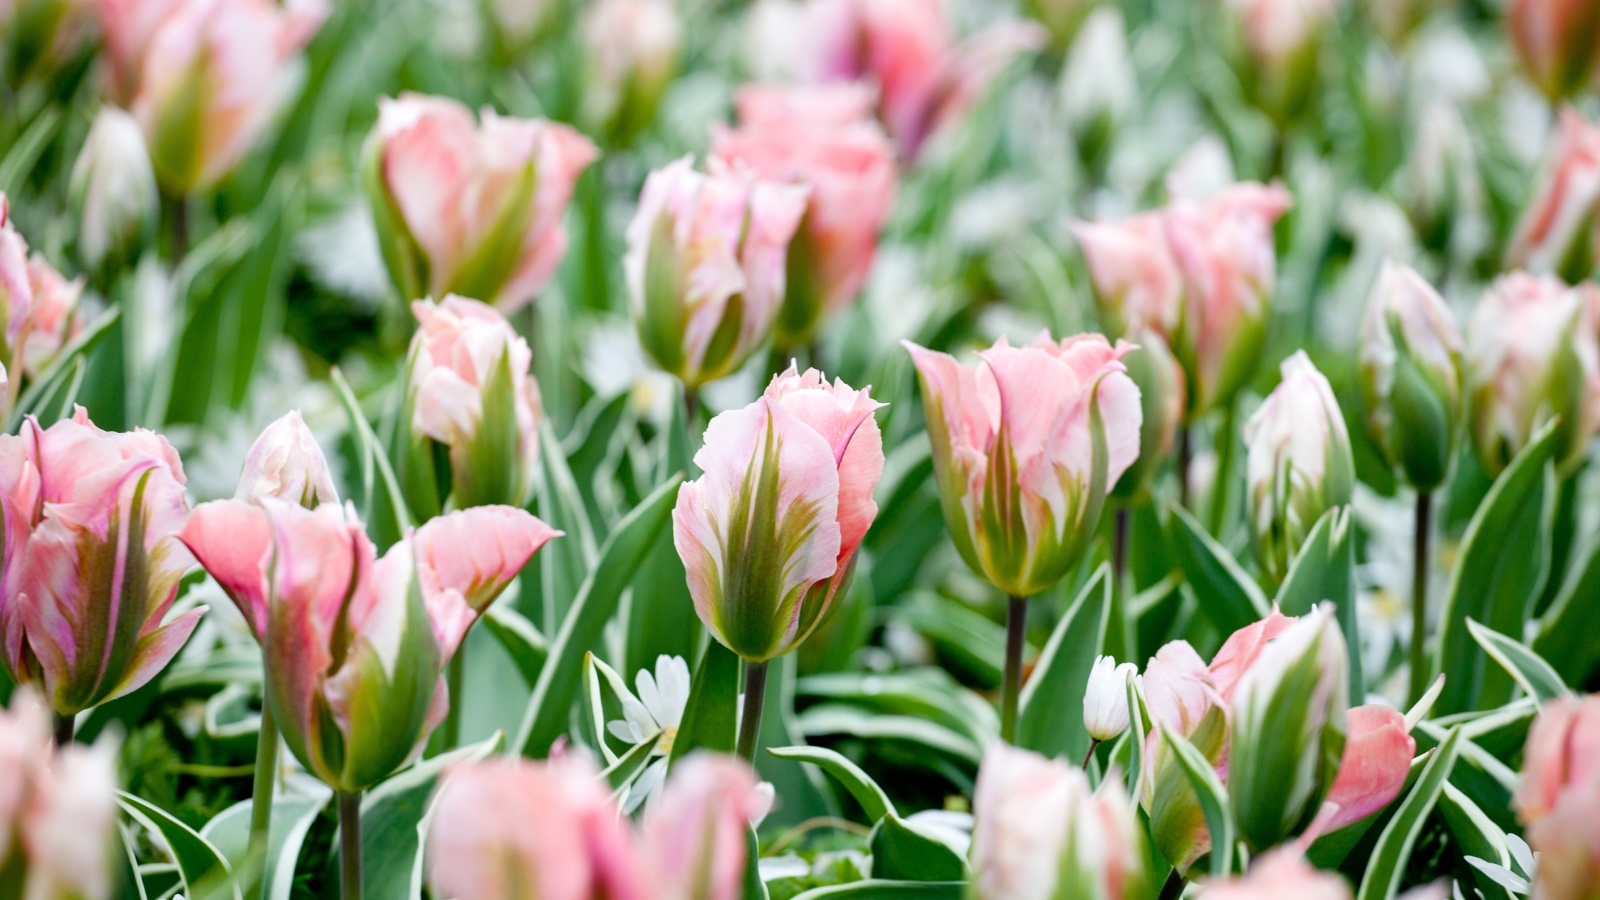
(1041, 832)
(1556, 231)
(695, 834)
(706, 264)
(1137, 282)
(1558, 798)
(286, 463)
(1533, 352)
(1282, 40)
(633, 50)
(1440, 181)
(1066, 411)
(1411, 376)
(1555, 40)
(1105, 701)
(1299, 465)
(1162, 398)
(1281, 873)
(114, 191)
(1099, 90)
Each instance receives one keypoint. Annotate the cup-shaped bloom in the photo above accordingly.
(1377, 757)
(1026, 445)
(1558, 797)
(1281, 41)
(1299, 464)
(1555, 40)
(470, 208)
(355, 644)
(1533, 353)
(1281, 873)
(768, 534)
(469, 389)
(1137, 282)
(507, 829)
(92, 560)
(633, 48)
(1099, 89)
(1288, 728)
(1162, 397)
(1105, 699)
(16, 288)
(705, 265)
(1555, 233)
(114, 192)
(52, 319)
(695, 835)
(286, 463)
(1412, 384)
(821, 136)
(212, 76)
(1041, 833)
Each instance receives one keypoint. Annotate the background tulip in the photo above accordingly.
(16, 288)
(114, 193)
(52, 319)
(519, 24)
(1282, 42)
(1099, 89)
(1556, 42)
(470, 208)
(1162, 398)
(1555, 233)
(695, 836)
(1281, 873)
(127, 27)
(1558, 797)
(1137, 282)
(286, 463)
(1105, 699)
(633, 48)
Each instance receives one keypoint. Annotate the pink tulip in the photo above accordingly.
(286, 462)
(1136, 279)
(211, 77)
(695, 833)
(506, 829)
(16, 284)
(820, 137)
(1555, 231)
(1558, 798)
(633, 53)
(24, 753)
(471, 208)
(705, 265)
(128, 27)
(53, 320)
(1555, 40)
(1021, 477)
(1377, 757)
(1276, 30)
(1282, 873)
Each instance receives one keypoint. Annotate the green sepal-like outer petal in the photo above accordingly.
(402, 256)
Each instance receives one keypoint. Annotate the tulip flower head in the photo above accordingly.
(1026, 445)
(1281, 873)
(1105, 700)
(1162, 398)
(286, 463)
(1555, 233)
(1281, 43)
(769, 533)
(695, 836)
(633, 54)
(470, 208)
(705, 265)
(1554, 40)
(114, 192)
(1136, 278)
(519, 24)
(16, 287)
(1558, 797)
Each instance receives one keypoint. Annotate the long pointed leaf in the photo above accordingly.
(1393, 852)
(1228, 597)
(1213, 799)
(1050, 720)
(874, 802)
(1537, 678)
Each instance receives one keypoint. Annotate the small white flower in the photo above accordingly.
(657, 708)
(1105, 701)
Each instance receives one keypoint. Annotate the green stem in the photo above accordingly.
(1222, 482)
(266, 780)
(64, 726)
(350, 845)
(455, 674)
(1419, 596)
(1011, 677)
(755, 693)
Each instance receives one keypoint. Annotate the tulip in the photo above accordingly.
(1105, 700)
(1042, 834)
(1377, 757)
(821, 137)
(1099, 89)
(470, 208)
(1281, 42)
(286, 463)
(1533, 353)
(506, 829)
(1137, 282)
(1558, 797)
(114, 192)
(1556, 42)
(128, 27)
(469, 389)
(1440, 183)
(1556, 230)
(1160, 380)
(16, 287)
(633, 50)
(212, 76)
(695, 836)
(92, 560)
(1397, 19)
(705, 265)
(1299, 465)
(519, 24)
(52, 318)
(1281, 873)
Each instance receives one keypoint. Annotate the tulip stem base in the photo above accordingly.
(350, 846)
(63, 726)
(755, 693)
(266, 780)
(1011, 676)
(1419, 596)
(1173, 889)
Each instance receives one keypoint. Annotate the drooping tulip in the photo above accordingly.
(1558, 797)
(769, 533)
(1555, 233)
(1411, 376)
(470, 208)
(694, 836)
(1300, 463)
(1282, 40)
(1105, 699)
(705, 265)
(1041, 833)
(1533, 352)
(511, 829)
(52, 319)
(1281, 873)
(1026, 445)
(822, 137)
(633, 48)
(114, 192)
(1556, 42)
(211, 76)
(1162, 394)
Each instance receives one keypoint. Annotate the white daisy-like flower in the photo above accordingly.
(657, 708)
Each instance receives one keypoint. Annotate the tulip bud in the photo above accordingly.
(1161, 399)
(1377, 758)
(695, 835)
(211, 79)
(1099, 90)
(127, 26)
(114, 192)
(633, 50)
(1137, 282)
(1411, 377)
(1299, 464)
(1555, 40)
(768, 534)
(1556, 231)
(1025, 461)
(16, 286)
(705, 266)
(507, 829)
(823, 137)
(1558, 797)
(1282, 40)
(1440, 180)
(468, 388)
(1281, 873)
(1105, 701)
(470, 208)
(1040, 832)
(52, 319)
(1533, 353)
(286, 463)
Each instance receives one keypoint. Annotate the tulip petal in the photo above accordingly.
(233, 541)
(1377, 757)
(466, 558)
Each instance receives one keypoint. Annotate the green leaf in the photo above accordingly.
(292, 815)
(1324, 570)
(874, 889)
(1536, 677)
(1566, 636)
(1050, 720)
(625, 768)
(1393, 852)
(1477, 836)
(925, 693)
(836, 719)
(1329, 850)
(564, 565)
(710, 718)
(902, 852)
(1228, 597)
(373, 460)
(1488, 781)
(872, 799)
(804, 790)
(754, 887)
(198, 860)
(1498, 571)
(1213, 799)
(24, 154)
(965, 639)
(523, 642)
(59, 372)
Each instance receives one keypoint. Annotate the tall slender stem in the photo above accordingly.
(1094, 745)
(455, 673)
(265, 783)
(691, 407)
(1221, 483)
(1119, 544)
(1011, 677)
(1185, 456)
(755, 693)
(64, 726)
(1173, 889)
(350, 846)
(180, 229)
(1419, 596)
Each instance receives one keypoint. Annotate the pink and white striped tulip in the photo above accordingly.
(706, 265)
(1555, 233)
(286, 463)
(127, 27)
(1555, 41)
(92, 560)
(506, 829)
(211, 76)
(768, 534)
(694, 835)
(633, 50)
(1282, 873)
(470, 208)
(821, 136)
(1558, 798)
(1026, 445)
(1136, 279)
(52, 319)
(1533, 352)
